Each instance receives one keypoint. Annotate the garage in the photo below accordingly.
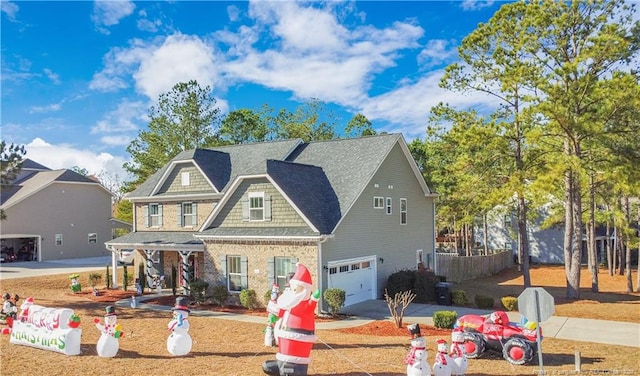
(357, 277)
(19, 248)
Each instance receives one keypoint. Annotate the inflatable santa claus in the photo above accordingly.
(295, 328)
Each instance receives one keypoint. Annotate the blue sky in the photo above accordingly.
(79, 77)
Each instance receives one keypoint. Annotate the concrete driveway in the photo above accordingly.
(25, 269)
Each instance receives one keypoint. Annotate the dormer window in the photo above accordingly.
(256, 207)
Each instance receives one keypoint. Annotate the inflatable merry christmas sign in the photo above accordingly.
(54, 329)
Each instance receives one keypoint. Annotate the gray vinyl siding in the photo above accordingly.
(71, 209)
(282, 213)
(197, 182)
(366, 231)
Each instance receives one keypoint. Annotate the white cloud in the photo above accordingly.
(109, 13)
(65, 156)
(179, 59)
(48, 108)
(10, 9)
(437, 51)
(52, 76)
(408, 106)
(233, 12)
(475, 4)
(148, 25)
(125, 118)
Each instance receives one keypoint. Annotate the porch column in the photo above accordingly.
(148, 266)
(186, 281)
(114, 268)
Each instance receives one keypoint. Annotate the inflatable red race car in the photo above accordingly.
(494, 332)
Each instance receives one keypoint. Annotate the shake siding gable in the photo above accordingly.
(282, 213)
(170, 215)
(197, 182)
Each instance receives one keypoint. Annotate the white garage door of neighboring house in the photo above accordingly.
(357, 277)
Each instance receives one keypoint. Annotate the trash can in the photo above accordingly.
(443, 293)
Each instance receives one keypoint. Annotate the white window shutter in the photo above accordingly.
(245, 208)
(267, 207)
(146, 215)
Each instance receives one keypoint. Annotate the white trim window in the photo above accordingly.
(188, 214)
(92, 237)
(58, 240)
(403, 211)
(236, 273)
(285, 267)
(256, 206)
(154, 218)
(388, 206)
(378, 202)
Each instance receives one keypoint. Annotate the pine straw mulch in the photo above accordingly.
(228, 347)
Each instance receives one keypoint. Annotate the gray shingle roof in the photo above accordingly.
(157, 239)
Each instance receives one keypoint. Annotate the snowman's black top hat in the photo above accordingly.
(110, 311)
(414, 330)
(182, 304)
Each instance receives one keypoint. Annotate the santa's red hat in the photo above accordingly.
(441, 341)
(302, 276)
(29, 300)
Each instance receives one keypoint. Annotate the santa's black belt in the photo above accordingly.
(299, 331)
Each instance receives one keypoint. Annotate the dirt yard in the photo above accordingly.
(227, 347)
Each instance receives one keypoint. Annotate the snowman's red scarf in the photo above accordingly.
(411, 357)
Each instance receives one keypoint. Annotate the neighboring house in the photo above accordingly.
(545, 244)
(352, 210)
(55, 214)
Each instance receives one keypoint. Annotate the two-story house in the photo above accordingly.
(55, 214)
(352, 210)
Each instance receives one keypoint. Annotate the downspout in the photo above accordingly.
(320, 276)
(433, 250)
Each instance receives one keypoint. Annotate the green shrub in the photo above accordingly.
(425, 286)
(444, 319)
(510, 303)
(249, 299)
(422, 283)
(400, 281)
(94, 279)
(174, 279)
(220, 294)
(199, 290)
(267, 297)
(459, 298)
(335, 298)
(483, 301)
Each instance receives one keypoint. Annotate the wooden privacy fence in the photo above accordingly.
(459, 268)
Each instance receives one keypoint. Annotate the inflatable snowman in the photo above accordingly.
(108, 344)
(457, 353)
(442, 365)
(179, 341)
(416, 360)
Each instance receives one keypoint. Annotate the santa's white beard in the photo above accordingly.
(290, 299)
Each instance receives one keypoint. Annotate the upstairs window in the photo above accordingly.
(403, 211)
(378, 202)
(388, 206)
(153, 215)
(187, 214)
(58, 239)
(92, 237)
(256, 207)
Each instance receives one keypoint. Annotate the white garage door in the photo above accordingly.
(356, 277)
